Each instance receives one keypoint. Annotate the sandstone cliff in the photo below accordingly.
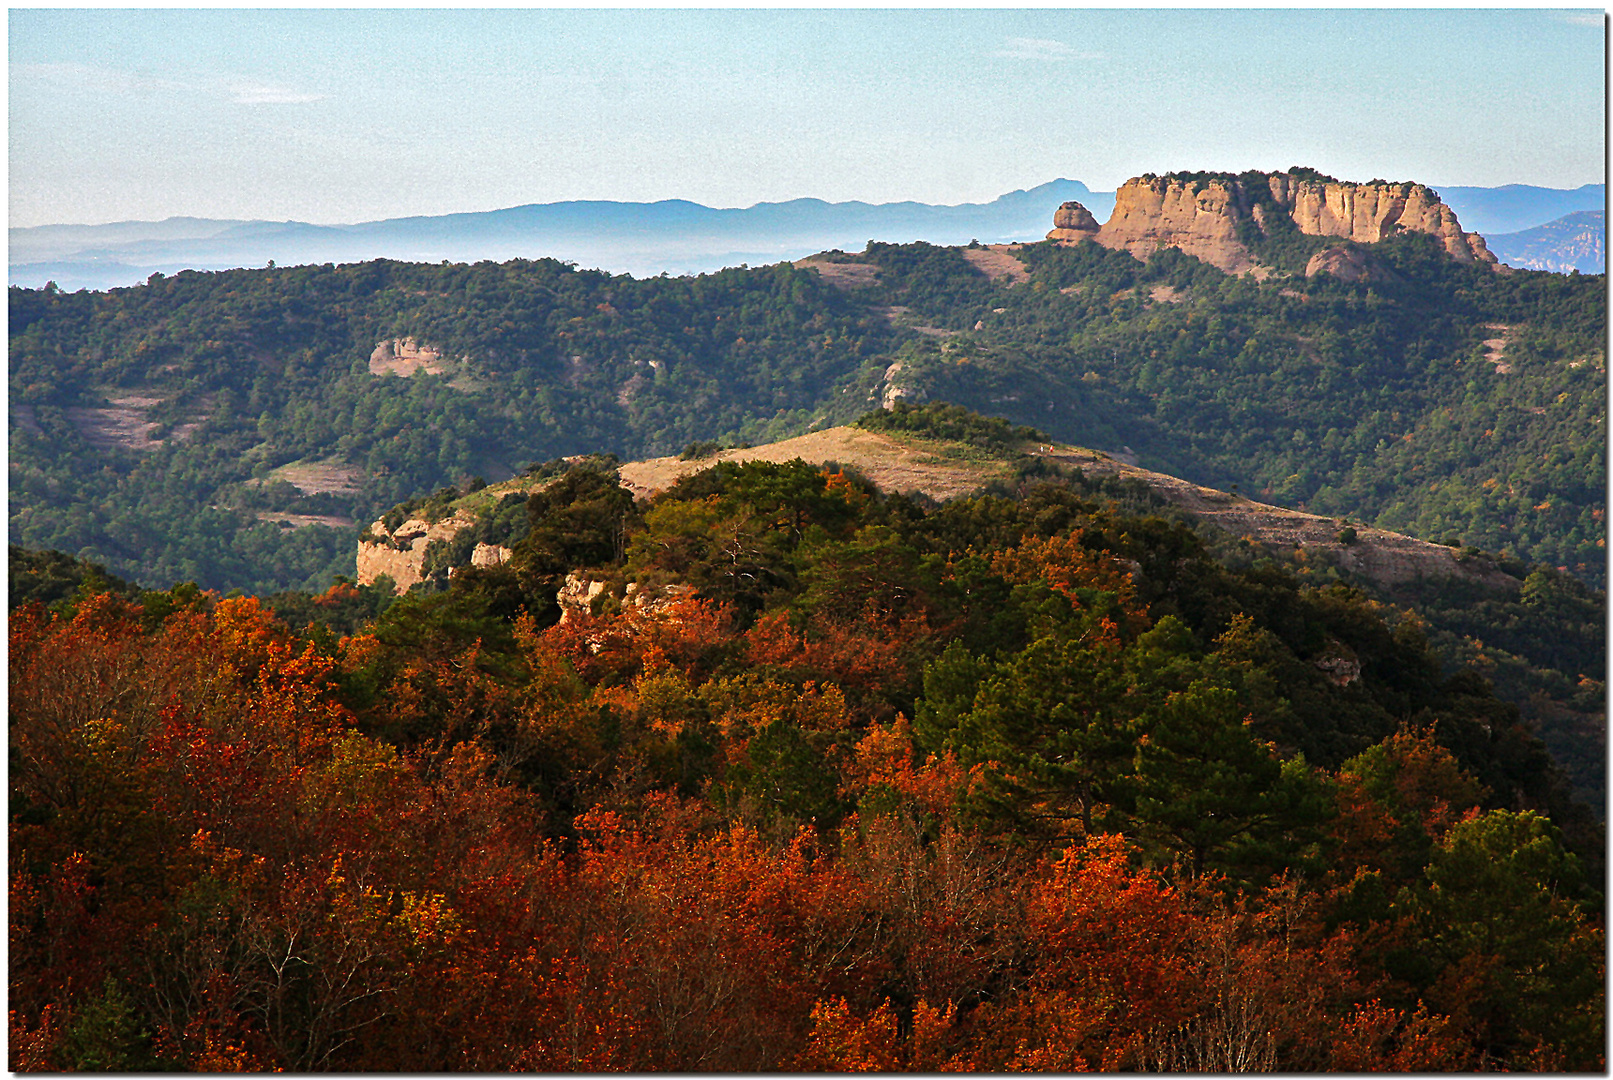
(1073, 222)
(1201, 220)
(401, 553)
(1210, 217)
(405, 356)
(1369, 212)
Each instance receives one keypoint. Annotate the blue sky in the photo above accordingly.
(340, 116)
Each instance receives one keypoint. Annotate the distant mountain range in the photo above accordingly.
(1515, 207)
(643, 239)
(673, 236)
(1572, 242)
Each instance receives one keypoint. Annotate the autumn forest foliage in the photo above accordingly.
(818, 778)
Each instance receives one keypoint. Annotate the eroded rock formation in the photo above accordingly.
(1073, 222)
(1201, 220)
(405, 356)
(1210, 218)
(1346, 264)
(401, 553)
(1366, 213)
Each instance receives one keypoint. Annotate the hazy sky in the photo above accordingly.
(341, 116)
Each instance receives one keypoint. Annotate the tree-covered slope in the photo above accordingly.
(1442, 401)
(244, 372)
(183, 428)
(816, 779)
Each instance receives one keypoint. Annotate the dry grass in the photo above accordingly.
(317, 477)
(842, 275)
(996, 261)
(893, 465)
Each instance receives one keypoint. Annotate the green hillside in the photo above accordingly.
(227, 427)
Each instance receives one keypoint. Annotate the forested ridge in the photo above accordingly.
(1382, 400)
(1373, 400)
(818, 778)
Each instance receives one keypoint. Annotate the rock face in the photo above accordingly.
(401, 555)
(490, 555)
(1346, 264)
(405, 356)
(1367, 213)
(1201, 220)
(579, 593)
(1204, 217)
(1073, 222)
(893, 391)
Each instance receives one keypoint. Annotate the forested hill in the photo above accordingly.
(235, 428)
(809, 777)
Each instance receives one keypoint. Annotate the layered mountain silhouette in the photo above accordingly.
(673, 236)
(1573, 242)
(644, 239)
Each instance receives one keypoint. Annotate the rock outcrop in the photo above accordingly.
(405, 356)
(490, 555)
(580, 595)
(1072, 223)
(1347, 264)
(1201, 220)
(1211, 217)
(1366, 213)
(401, 553)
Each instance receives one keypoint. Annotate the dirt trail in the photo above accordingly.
(1495, 349)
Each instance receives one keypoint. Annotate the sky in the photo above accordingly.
(341, 116)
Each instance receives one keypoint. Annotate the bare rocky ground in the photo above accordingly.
(22, 417)
(297, 521)
(122, 425)
(405, 357)
(1495, 349)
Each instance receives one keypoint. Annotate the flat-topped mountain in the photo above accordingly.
(1230, 220)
